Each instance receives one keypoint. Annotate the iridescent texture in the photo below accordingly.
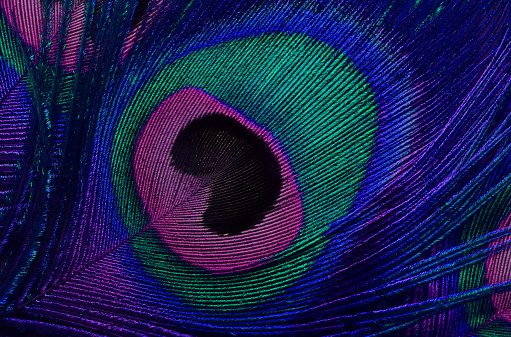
(176, 202)
(277, 168)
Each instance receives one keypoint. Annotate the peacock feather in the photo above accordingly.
(227, 168)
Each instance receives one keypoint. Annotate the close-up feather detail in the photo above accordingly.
(250, 168)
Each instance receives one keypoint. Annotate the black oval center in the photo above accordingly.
(246, 175)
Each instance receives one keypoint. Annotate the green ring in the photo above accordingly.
(302, 82)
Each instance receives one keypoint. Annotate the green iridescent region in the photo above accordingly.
(10, 51)
(310, 97)
(486, 220)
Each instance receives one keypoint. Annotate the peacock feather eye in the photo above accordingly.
(249, 168)
(300, 130)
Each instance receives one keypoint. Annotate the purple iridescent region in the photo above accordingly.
(14, 128)
(177, 201)
(497, 270)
